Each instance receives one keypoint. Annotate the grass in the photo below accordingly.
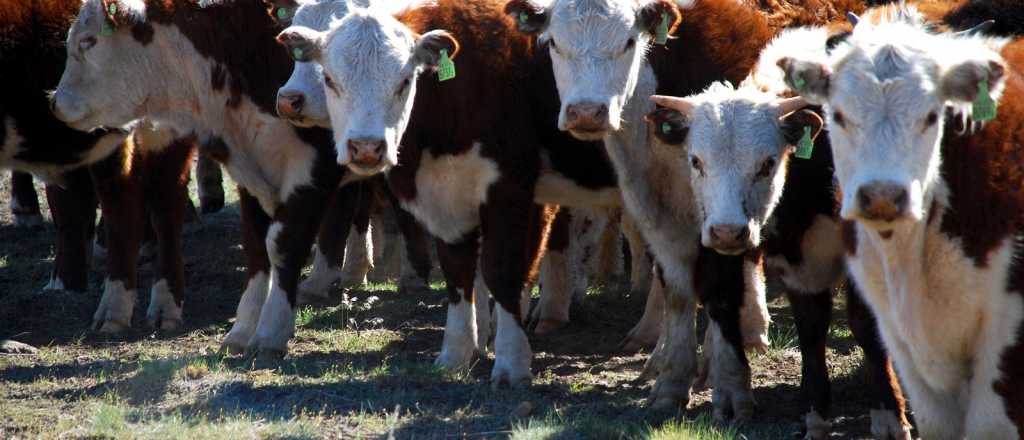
(357, 367)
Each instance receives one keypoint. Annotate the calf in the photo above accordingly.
(741, 141)
(926, 131)
(499, 157)
(222, 92)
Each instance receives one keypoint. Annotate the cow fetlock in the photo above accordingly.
(358, 258)
(673, 362)
(886, 424)
(556, 292)
(316, 287)
(114, 314)
(732, 398)
(247, 314)
(512, 354)
(460, 336)
(645, 333)
(275, 327)
(163, 312)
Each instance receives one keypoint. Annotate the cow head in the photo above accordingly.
(885, 91)
(596, 49)
(301, 100)
(370, 62)
(103, 83)
(738, 143)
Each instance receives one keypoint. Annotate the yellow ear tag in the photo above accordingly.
(805, 146)
(661, 34)
(983, 108)
(445, 67)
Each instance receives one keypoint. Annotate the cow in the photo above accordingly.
(302, 101)
(120, 58)
(926, 131)
(501, 158)
(742, 142)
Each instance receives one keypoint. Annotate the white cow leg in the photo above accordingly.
(317, 286)
(276, 324)
(114, 314)
(754, 317)
(512, 356)
(358, 262)
(247, 314)
(556, 292)
(640, 276)
(460, 335)
(484, 320)
(163, 310)
(730, 380)
(674, 360)
(645, 333)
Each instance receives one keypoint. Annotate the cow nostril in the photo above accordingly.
(863, 198)
(601, 112)
(297, 102)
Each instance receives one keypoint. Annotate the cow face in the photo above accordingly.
(885, 91)
(596, 49)
(301, 100)
(738, 143)
(370, 62)
(104, 83)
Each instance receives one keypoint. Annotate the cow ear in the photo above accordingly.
(304, 44)
(530, 18)
(808, 78)
(659, 13)
(963, 82)
(123, 13)
(429, 46)
(795, 124)
(669, 126)
(282, 11)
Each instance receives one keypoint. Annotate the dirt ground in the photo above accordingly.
(355, 370)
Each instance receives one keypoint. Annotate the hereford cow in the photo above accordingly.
(222, 91)
(927, 133)
(741, 141)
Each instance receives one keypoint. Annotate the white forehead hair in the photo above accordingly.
(726, 118)
(136, 9)
(366, 41)
(805, 43)
(318, 14)
(597, 17)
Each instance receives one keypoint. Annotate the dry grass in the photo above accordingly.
(350, 373)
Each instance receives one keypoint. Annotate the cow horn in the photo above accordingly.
(675, 103)
(789, 105)
(978, 28)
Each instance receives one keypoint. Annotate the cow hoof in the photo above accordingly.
(262, 358)
(454, 361)
(885, 424)
(641, 337)
(166, 325)
(231, 348)
(510, 380)
(236, 342)
(110, 327)
(546, 326)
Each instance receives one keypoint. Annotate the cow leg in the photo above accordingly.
(640, 262)
(645, 333)
(415, 272)
(118, 183)
(359, 246)
(888, 410)
(167, 196)
(254, 224)
(721, 282)
(24, 201)
(73, 209)
(514, 236)
(812, 313)
(210, 185)
(673, 362)
(556, 286)
(289, 239)
(458, 263)
(330, 247)
(602, 248)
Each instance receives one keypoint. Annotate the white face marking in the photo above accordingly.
(890, 86)
(370, 80)
(307, 77)
(737, 156)
(596, 50)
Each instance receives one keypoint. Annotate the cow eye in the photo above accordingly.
(402, 87)
(931, 119)
(629, 45)
(86, 44)
(697, 165)
(331, 84)
(766, 168)
(838, 117)
(554, 47)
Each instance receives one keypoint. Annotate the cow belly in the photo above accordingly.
(450, 190)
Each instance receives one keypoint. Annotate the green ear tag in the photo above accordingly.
(805, 146)
(105, 29)
(983, 108)
(282, 13)
(661, 34)
(524, 17)
(446, 67)
(112, 8)
(798, 82)
(297, 53)
(666, 128)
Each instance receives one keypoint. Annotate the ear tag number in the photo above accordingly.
(297, 54)
(105, 29)
(983, 108)
(666, 128)
(805, 146)
(446, 67)
(661, 34)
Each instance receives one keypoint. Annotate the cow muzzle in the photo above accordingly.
(290, 105)
(882, 202)
(66, 109)
(587, 120)
(366, 156)
(729, 239)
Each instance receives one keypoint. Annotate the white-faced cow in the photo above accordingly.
(927, 133)
(750, 181)
(469, 170)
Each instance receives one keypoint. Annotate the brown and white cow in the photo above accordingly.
(470, 170)
(927, 132)
(181, 65)
(741, 142)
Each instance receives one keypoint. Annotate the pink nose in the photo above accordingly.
(586, 116)
(882, 201)
(729, 236)
(289, 104)
(366, 152)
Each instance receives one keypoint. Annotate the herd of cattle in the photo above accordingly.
(815, 143)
